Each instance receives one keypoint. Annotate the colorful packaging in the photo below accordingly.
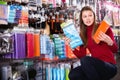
(103, 27)
(69, 52)
(30, 45)
(105, 24)
(19, 45)
(59, 47)
(36, 45)
(71, 32)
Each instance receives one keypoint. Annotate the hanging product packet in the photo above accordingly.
(104, 25)
(71, 33)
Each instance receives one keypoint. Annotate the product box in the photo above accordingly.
(71, 33)
(104, 25)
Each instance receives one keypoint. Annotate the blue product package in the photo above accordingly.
(62, 72)
(58, 73)
(54, 77)
(71, 32)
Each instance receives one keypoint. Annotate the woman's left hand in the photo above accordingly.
(105, 38)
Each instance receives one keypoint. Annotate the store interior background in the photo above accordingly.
(26, 19)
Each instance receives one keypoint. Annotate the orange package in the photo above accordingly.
(69, 53)
(36, 45)
(102, 27)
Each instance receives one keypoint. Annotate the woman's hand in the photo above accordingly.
(67, 41)
(105, 38)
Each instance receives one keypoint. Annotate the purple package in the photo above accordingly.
(19, 46)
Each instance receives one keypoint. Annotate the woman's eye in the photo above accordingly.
(84, 16)
(90, 15)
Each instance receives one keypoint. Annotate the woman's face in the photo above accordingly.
(88, 17)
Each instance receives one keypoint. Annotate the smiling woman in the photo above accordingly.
(87, 17)
(100, 64)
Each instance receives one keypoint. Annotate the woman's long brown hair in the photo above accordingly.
(83, 26)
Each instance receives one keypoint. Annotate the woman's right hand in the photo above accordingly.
(67, 40)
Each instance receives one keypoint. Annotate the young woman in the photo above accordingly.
(99, 64)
